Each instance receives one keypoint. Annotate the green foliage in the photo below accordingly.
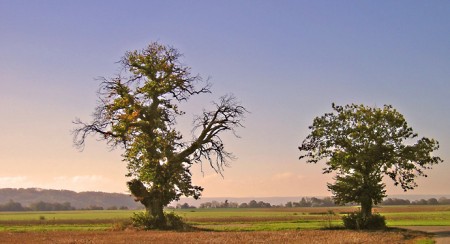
(356, 221)
(143, 220)
(361, 145)
(138, 111)
(175, 222)
(146, 221)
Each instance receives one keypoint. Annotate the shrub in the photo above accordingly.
(143, 220)
(175, 222)
(355, 221)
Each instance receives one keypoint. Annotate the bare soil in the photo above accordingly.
(133, 236)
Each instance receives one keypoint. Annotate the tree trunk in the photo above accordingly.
(366, 206)
(157, 212)
(153, 202)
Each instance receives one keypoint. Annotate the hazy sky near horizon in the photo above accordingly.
(286, 61)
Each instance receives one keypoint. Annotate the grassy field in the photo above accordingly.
(271, 225)
(309, 218)
(233, 219)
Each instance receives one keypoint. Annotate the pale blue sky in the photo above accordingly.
(287, 61)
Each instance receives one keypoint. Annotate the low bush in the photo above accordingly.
(143, 220)
(355, 221)
(175, 222)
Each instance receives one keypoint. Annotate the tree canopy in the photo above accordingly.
(362, 144)
(137, 111)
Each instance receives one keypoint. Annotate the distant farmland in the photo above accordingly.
(217, 225)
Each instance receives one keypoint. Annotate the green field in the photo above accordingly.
(233, 219)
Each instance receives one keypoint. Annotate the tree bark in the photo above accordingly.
(366, 206)
(151, 200)
(156, 209)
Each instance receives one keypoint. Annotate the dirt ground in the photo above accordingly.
(441, 233)
(302, 236)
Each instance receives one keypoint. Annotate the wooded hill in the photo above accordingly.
(78, 200)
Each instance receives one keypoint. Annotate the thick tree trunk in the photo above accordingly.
(366, 207)
(366, 199)
(151, 200)
(156, 209)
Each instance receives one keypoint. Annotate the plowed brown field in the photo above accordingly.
(131, 236)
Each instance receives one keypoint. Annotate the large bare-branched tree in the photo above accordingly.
(137, 111)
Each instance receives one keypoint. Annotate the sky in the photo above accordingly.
(286, 61)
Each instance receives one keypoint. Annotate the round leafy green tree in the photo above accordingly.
(361, 145)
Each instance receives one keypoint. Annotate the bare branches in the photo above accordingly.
(106, 115)
(139, 110)
(227, 116)
(81, 133)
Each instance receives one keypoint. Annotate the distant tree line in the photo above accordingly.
(328, 202)
(216, 204)
(37, 206)
(13, 206)
(304, 202)
(311, 202)
(79, 200)
(183, 206)
(430, 201)
(226, 204)
(255, 204)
